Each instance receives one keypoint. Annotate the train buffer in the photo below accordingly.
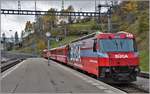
(33, 75)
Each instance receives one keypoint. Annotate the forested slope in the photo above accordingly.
(130, 16)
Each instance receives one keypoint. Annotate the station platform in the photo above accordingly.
(35, 76)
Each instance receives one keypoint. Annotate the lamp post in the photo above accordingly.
(48, 34)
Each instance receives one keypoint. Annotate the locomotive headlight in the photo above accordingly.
(137, 70)
(107, 70)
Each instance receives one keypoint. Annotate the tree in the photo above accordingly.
(143, 20)
(129, 6)
(78, 20)
(4, 41)
(16, 38)
(62, 11)
(49, 21)
(28, 26)
(70, 18)
(41, 45)
(142, 5)
(3, 37)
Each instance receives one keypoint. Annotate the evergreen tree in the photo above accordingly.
(3, 37)
(16, 38)
(70, 18)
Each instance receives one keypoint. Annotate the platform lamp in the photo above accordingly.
(48, 34)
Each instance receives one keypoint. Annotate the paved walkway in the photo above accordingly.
(34, 76)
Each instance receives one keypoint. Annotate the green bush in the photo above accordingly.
(144, 60)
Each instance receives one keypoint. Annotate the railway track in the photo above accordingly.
(135, 87)
(129, 88)
(9, 64)
(132, 87)
(12, 59)
(144, 74)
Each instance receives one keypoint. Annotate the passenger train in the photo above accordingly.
(111, 57)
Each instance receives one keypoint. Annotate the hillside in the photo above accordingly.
(129, 16)
(135, 19)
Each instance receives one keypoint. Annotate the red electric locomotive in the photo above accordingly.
(111, 57)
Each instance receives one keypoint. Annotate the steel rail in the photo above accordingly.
(144, 74)
(9, 64)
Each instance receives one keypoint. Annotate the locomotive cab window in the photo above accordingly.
(94, 45)
(117, 45)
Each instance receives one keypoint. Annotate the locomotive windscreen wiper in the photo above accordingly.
(121, 45)
(117, 46)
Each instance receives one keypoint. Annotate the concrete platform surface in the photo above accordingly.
(35, 76)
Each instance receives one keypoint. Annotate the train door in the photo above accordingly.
(77, 53)
(95, 64)
(68, 53)
(77, 59)
(74, 54)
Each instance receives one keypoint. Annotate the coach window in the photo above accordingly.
(94, 45)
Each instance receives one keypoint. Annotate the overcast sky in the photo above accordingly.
(17, 22)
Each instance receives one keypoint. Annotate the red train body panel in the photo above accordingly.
(59, 54)
(112, 57)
